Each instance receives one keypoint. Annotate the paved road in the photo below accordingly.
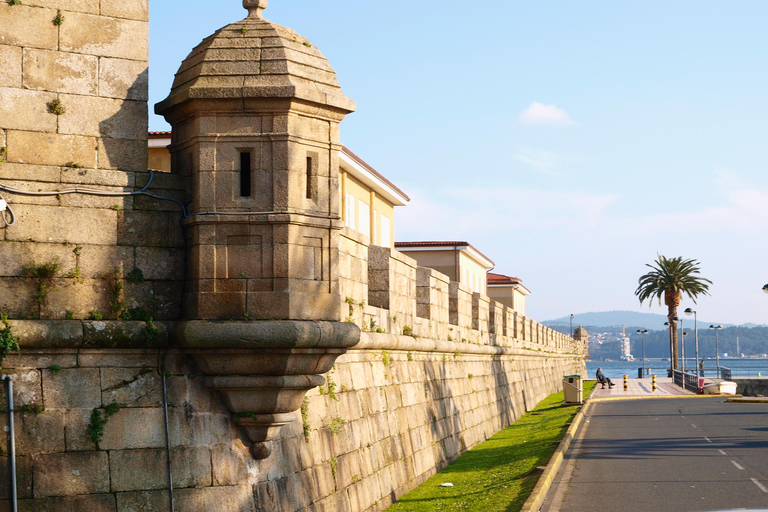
(654, 455)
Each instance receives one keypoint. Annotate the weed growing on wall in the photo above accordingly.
(99, 421)
(115, 292)
(305, 418)
(9, 342)
(56, 107)
(336, 425)
(54, 368)
(135, 276)
(3, 153)
(59, 19)
(42, 275)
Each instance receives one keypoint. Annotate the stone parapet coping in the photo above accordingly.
(89, 333)
(379, 341)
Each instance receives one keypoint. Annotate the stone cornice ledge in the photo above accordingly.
(379, 341)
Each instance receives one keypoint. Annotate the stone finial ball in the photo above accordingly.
(255, 7)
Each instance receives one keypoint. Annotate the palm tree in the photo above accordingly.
(671, 277)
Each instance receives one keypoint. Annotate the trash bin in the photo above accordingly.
(572, 389)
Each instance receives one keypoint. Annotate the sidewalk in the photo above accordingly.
(640, 388)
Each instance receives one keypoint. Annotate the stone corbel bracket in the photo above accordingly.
(263, 369)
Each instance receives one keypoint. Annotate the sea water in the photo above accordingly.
(741, 367)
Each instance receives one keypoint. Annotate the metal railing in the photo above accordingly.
(686, 380)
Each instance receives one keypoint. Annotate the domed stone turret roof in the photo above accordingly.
(580, 333)
(255, 58)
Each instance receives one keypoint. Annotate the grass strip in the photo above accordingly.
(499, 474)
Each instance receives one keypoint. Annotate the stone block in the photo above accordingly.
(124, 79)
(128, 155)
(76, 430)
(131, 387)
(28, 26)
(134, 10)
(68, 474)
(10, 71)
(104, 37)
(121, 431)
(198, 429)
(142, 228)
(72, 388)
(230, 463)
(86, 6)
(26, 387)
(129, 469)
(23, 477)
(238, 498)
(103, 117)
(92, 503)
(22, 109)
(53, 71)
(49, 148)
(38, 433)
(160, 263)
(143, 501)
(95, 260)
(191, 466)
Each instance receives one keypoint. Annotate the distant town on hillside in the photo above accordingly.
(613, 336)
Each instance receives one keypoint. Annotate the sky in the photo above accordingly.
(570, 142)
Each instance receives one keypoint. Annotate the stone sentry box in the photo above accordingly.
(255, 111)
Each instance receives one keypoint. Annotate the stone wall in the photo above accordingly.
(393, 411)
(73, 115)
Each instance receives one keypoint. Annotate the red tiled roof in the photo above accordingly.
(159, 134)
(502, 279)
(431, 244)
(373, 171)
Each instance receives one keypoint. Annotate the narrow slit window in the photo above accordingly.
(245, 174)
(309, 177)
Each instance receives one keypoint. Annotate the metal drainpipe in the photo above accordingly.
(11, 443)
(167, 441)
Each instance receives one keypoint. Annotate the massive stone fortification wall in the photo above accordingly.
(93, 277)
(393, 411)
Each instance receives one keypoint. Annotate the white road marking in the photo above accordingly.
(694, 426)
(722, 452)
(707, 439)
(759, 485)
(737, 465)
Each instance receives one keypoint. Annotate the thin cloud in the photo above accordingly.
(538, 113)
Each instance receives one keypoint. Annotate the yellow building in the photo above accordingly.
(458, 260)
(508, 291)
(367, 200)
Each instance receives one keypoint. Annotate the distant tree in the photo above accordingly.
(670, 278)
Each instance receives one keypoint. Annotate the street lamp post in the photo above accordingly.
(689, 312)
(681, 344)
(642, 333)
(571, 325)
(717, 348)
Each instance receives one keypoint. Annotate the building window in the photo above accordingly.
(245, 174)
(350, 211)
(385, 231)
(365, 219)
(309, 177)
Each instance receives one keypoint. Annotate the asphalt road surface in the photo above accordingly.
(656, 455)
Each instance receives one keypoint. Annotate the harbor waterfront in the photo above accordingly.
(740, 367)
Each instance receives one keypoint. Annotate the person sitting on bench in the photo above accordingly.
(602, 379)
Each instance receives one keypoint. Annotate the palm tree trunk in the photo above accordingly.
(673, 352)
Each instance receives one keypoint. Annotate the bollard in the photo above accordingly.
(654, 382)
(625, 383)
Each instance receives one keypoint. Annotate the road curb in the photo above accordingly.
(540, 491)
